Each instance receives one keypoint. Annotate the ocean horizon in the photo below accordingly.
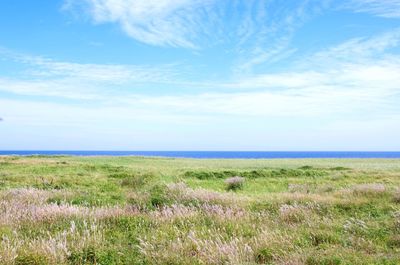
(212, 154)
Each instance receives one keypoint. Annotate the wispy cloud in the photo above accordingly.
(275, 26)
(354, 77)
(157, 22)
(63, 89)
(382, 8)
(255, 32)
(40, 76)
(359, 49)
(115, 73)
(196, 23)
(243, 68)
(335, 86)
(259, 33)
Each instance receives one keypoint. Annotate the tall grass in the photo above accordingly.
(128, 210)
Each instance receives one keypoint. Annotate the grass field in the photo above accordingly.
(132, 210)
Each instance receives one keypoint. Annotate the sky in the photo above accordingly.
(271, 75)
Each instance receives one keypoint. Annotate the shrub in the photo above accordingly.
(199, 175)
(258, 173)
(306, 167)
(234, 183)
(159, 196)
(210, 174)
(339, 168)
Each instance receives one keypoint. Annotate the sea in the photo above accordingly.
(212, 154)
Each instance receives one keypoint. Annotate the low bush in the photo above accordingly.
(234, 183)
(306, 167)
(339, 168)
(159, 196)
(258, 173)
(210, 174)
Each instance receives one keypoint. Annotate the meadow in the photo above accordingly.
(137, 210)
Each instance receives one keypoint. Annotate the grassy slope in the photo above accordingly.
(126, 210)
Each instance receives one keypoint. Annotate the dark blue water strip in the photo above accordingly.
(214, 154)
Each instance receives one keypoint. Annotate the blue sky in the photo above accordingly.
(200, 75)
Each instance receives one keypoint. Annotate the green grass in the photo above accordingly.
(135, 210)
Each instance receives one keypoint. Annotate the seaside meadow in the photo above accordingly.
(143, 210)
(199, 132)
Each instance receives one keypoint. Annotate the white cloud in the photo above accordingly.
(256, 32)
(358, 49)
(327, 85)
(337, 88)
(335, 92)
(63, 88)
(382, 8)
(256, 28)
(47, 77)
(115, 73)
(273, 27)
(353, 78)
(156, 22)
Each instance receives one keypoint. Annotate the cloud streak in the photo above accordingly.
(196, 24)
(346, 88)
(115, 73)
(382, 8)
(158, 22)
(40, 76)
(336, 86)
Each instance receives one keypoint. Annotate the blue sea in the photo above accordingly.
(214, 154)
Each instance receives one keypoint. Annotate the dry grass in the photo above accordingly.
(53, 249)
(181, 192)
(198, 246)
(175, 211)
(30, 205)
(218, 246)
(301, 188)
(369, 189)
(292, 213)
(396, 195)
